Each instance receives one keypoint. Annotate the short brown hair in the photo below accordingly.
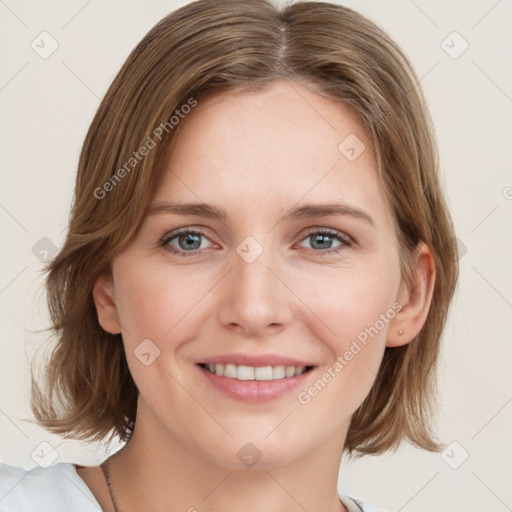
(242, 45)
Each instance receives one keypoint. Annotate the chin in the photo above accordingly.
(250, 458)
(256, 453)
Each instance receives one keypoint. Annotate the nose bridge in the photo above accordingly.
(255, 297)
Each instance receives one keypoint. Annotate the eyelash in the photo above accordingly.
(345, 239)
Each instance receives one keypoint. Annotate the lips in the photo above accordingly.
(254, 379)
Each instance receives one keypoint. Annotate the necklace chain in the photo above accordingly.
(104, 469)
(106, 474)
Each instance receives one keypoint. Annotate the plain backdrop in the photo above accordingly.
(461, 51)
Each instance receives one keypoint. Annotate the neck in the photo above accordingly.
(149, 475)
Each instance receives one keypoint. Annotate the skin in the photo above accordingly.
(256, 155)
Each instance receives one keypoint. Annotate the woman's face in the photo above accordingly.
(263, 279)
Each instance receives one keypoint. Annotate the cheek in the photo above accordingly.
(154, 302)
(358, 320)
(354, 300)
(161, 311)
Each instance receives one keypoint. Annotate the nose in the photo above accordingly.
(255, 299)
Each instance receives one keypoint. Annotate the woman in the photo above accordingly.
(257, 271)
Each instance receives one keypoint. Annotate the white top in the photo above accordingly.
(59, 488)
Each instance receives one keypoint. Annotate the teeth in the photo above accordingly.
(290, 371)
(230, 371)
(243, 372)
(278, 372)
(263, 373)
(219, 369)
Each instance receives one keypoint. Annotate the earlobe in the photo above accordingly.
(103, 295)
(414, 300)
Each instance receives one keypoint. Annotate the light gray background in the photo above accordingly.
(47, 105)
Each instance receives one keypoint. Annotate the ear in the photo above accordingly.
(103, 294)
(414, 301)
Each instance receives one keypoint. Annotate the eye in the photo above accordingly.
(323, 239)
(188, 242)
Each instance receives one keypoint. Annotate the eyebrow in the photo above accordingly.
(306, 211)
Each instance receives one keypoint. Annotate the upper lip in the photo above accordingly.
(255, 360)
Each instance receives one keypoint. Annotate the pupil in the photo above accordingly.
(189, 240)
(324, 239)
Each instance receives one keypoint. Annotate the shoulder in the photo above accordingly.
(358, 505)
(54, 488)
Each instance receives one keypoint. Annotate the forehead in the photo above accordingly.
(281, 116)
(271, 148)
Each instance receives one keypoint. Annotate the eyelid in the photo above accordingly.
(164, 241)
(331, 232)
(344, 238)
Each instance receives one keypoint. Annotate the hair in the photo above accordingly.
(230, 46)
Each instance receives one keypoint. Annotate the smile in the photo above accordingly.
(261, 373)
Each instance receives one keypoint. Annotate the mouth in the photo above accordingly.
(254, 384)
(251, 373)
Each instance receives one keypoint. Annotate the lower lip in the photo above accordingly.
(255, 391)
